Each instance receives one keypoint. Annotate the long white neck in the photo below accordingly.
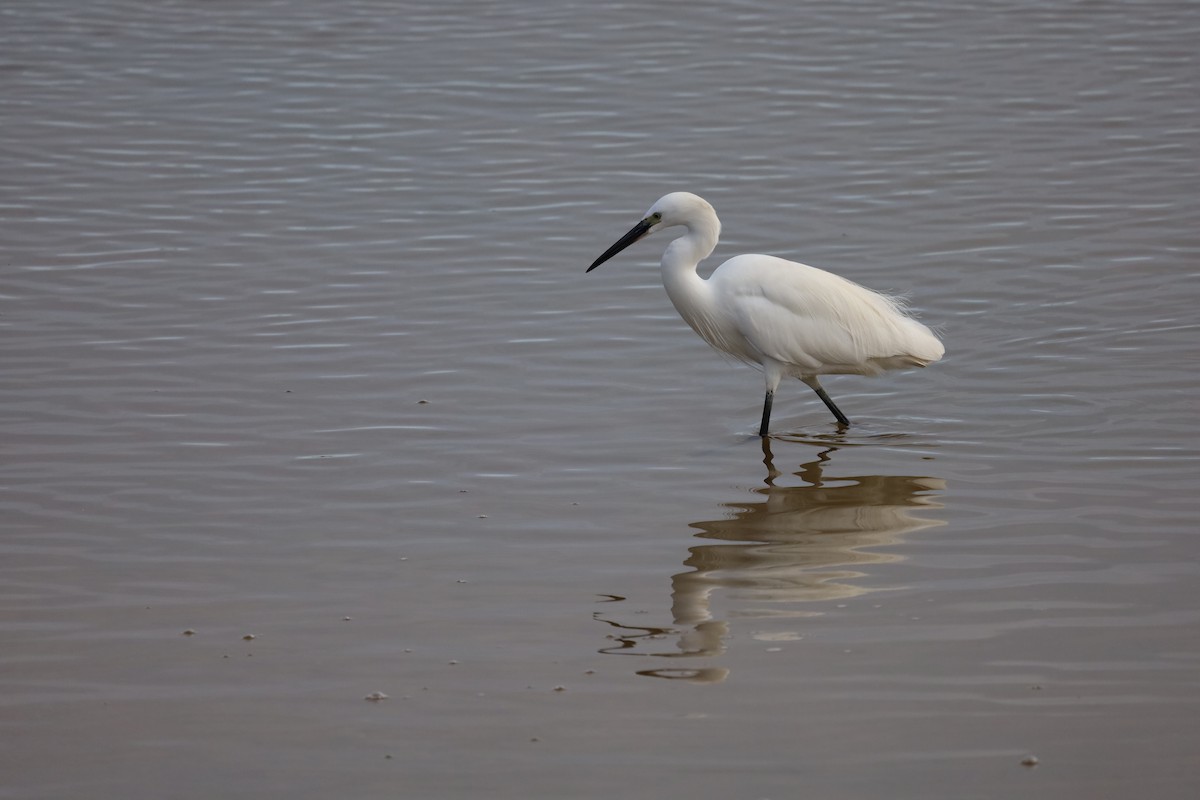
(691, 294)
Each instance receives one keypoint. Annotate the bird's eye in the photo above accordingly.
(656, 217)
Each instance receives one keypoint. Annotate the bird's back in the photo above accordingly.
(811, 321)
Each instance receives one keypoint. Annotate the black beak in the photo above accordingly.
(635, 233)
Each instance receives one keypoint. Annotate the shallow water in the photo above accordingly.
(298, 345)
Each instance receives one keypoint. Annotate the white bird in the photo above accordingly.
(789, 318)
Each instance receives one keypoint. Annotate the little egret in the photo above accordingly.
(789, 318)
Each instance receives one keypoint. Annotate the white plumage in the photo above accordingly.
(790, 318)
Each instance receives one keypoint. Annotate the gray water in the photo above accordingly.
(297, 345)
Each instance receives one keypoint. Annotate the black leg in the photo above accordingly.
(837, 412)
(762, 429)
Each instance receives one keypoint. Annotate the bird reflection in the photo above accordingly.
(779, 555)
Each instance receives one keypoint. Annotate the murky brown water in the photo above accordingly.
(242, 243)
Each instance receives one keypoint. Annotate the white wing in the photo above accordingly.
(817, 322)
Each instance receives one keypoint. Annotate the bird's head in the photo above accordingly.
(676, 208)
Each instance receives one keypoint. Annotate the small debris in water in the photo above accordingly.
(482, 516)
(560, 688)
(189, 632)
(452, 662)
(589, 672)
(375, 697)
(347, 619)
(249, 636)
(422, 402)
(1029, 761)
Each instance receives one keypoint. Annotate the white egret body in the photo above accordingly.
(790, 318)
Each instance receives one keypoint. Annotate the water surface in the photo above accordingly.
(297, 346)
